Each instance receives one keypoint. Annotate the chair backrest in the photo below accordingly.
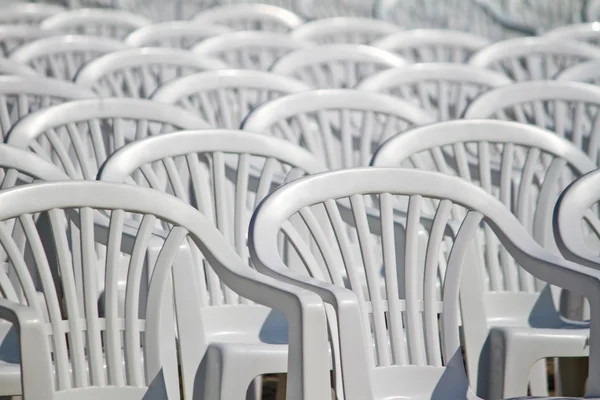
(13, 36)
(174, 34)
(316, 9)
(486, 19)
(21, 167)
(432, 45)
(353, 30)
(116, 24)
(249, 49)
(444, 90)
(570, 109)
(486, 153)
(576, 209)
(138, 72)
(225, 97)
(404, 320)
(531, 58)
(22, 95)
(61, 56)
(586, 72)
(81, 348)
(28, 13)
(335, 66)
(225, 175)
(79, 135)
(341, 127)
(588, 32)
(10, 67)
(250, 17)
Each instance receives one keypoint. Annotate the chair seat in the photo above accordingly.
(250, 324)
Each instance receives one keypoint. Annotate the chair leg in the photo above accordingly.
(510, 371)
(255, 389)
(228, 376)
(538, 380)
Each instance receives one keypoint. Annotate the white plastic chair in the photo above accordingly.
(442, 89)
(116, 24)
(176, 34)
(13, 36)
(17, 167)
(229, 173)
(10, 67)
(79, 135)
(77, 352)
(353, 30)
(249, 49)
(335, 66)
(588, 32)
(250, 17)
(570, 109)
(224, 98)
(504, 301)
(22, 95)
(401, 340)
(432, 45)
(138, 72)
(28, 13)
(586, 72)
(61, 56)
(526, 59)
(341, 127)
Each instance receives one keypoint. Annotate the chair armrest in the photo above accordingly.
(36, 366)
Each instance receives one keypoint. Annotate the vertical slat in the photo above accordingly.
(324, 247)
(81, 152)
(113, 349)
(578, 124)
(175, 179)
(373, 280)
(413, 283)
(71, 300)
(347, 139)
(430, 306)
(98, 141)
(333, 161)
(202, 197)
(450, 309)
(266, 180)
(367, 129)
(523, 209)
(222, 210)
(241, 196)
(132, 332)
(62, 154)
(443, 101)
(390, 266)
